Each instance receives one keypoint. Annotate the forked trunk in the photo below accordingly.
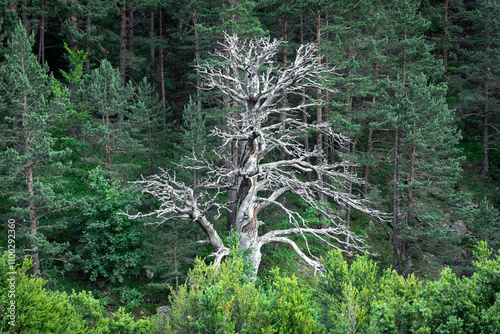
(248, 207)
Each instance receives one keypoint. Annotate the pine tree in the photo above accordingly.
(480, 74)
(106, 100)
(32, 105)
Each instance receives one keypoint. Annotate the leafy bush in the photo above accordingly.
(44, 312)
(354, 300)
(222, 300)
(346, 293)
(110, 244)
(36, 310)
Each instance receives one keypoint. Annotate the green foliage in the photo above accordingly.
(353, 300)
(36, 310)
(346, 293)
(40, 311)
(292, 309)
(130, 297)
(215, 299)
(76, 76)
(32, 105)
(221, 300)
(110, 243)
(487, 223)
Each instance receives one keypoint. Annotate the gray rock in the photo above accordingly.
(459, 227)
(163, 310)
(150, 274)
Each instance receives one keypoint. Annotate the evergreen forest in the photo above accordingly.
(249, 166)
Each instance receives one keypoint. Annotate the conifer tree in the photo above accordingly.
(32, 105)
(480, 74)
(106, 100)
(413, 107)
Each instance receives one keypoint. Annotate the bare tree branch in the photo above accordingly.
(246, 72)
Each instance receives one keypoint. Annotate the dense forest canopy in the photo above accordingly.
(266, 133)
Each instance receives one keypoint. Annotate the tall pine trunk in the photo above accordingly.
(152, 67)
(484, 133)
(41, 37)
(366, 168)
(130, 35)
(32, 220)
(162, 75)
(73, 22)
(123, 41)
(88, 23)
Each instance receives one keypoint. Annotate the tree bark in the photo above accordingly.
(248, 206)
(197, 57)
(485, 165)
(396, 230)
(130, 35)
(24, 18)
(304, 110)
(366, 168)
(123, 41)
(162, 77)
(445, 36)
(88, 23)
(151, 44)
(41, 38)
(73, 22)
(33, 220)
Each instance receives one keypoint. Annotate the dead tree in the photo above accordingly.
(258, 84)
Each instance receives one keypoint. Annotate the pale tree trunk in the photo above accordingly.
(248, 207)
(319, 109)
(304, 111)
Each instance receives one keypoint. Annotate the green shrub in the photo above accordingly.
(45, 312)
(353, 300)
(346, 293)
(292, 308)
(36, 310)
(222, 300)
